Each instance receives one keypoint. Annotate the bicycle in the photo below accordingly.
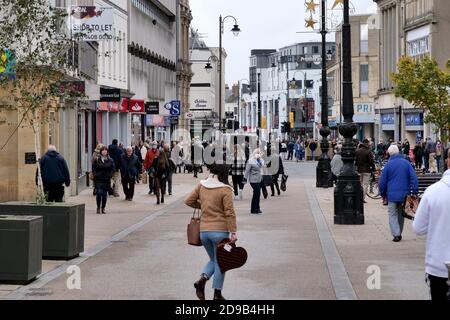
(373, 191)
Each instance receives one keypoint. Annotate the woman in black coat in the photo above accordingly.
(418, 155)
(162, 171)
(103, 169)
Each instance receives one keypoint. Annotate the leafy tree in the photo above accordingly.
(35, 37)
(422, 83)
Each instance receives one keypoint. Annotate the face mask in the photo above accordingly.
(154, 147)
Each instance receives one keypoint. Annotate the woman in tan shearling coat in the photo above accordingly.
(214, 196)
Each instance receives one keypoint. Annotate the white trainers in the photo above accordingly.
(236, 198)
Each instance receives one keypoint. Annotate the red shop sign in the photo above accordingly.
(123, 105)
(136, 106)
(114, 106)
(102, 106)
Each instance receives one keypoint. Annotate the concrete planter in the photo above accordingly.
(63, 236)
(20, 248)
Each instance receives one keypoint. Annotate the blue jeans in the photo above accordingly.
(210, 240)
(101, 192)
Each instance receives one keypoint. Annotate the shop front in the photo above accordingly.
(387, 120)
(364, 117)
(414, 125)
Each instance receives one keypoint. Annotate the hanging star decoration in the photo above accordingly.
(310, 22)
(311, 6)
(336, 2)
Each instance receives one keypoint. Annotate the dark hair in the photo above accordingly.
(115, 141)
(221, 171)
(365, 141)
(103, 148)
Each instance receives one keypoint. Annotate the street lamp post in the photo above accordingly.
(259, 105)
(239, 100)
(323, 171)
(236, 32)
(348, 195)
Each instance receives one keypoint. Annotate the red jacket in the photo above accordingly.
(149, 157)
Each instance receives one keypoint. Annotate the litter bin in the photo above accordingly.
(20, 248)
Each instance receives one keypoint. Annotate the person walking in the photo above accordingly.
(253, 174)
(196, 156)
(55, 174)
(237, 171)
(433, 219)
(130, 167)
(275, 166)
(161, 167)
(439, 155)
(298, 151)
(95, 156)
(398, 179)
(283, 149)
(405, 147)
(366, 165)
(148, 166)
(104, 170)
(115, 153)
(177, 156)
(336, 163)
(214, 197)
(430, 148)
(418, 156)
(172, 168)
(312, 146)
(290, 149)
(381, 151)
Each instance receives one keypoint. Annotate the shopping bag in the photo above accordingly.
(283, 186)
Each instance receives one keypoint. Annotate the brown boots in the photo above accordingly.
(218, 295)
(200, 286)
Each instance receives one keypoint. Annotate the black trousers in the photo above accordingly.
(264, 189)
(54, 191)
(418, 162)
(275, 184)
(128, 187)
(237, 183)
(439, 288)
(290, 154)
(255, 199)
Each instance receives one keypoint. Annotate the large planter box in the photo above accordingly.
(63, 226)
(20, 248)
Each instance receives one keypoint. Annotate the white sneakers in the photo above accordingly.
(239, 196)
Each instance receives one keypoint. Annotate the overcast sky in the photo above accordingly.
(265, 24)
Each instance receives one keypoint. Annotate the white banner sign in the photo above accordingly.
(92, 23)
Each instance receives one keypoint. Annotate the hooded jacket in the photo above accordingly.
(215, 200)
(433, 219)
(54, 169)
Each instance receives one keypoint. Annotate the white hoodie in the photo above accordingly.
(433, 219)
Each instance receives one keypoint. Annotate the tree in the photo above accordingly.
(422, 83)
(36, 41)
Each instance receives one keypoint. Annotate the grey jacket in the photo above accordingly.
(253, 172)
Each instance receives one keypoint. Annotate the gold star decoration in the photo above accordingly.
(311, 6)
(310, 22)
(336, 2)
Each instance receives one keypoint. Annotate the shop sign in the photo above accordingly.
(109, 95)
(136, 106)
(152, 107)
(364, 113)
(157, 121)
(172, 108)
(123, 105)
(387, 118)
(414, 119)
(92, 23)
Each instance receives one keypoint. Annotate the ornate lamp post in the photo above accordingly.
(236, 30)
(323, 171)
(348, 195)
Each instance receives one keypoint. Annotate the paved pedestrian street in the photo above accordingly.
(138, 250)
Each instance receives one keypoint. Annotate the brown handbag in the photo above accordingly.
(193, 230)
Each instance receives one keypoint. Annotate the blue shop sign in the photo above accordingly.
(414, 119)
(387, 118)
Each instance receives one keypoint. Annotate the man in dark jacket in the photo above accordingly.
(365, 164)
(115, 153)
(290, 149)
(55, 174)
(130, 167)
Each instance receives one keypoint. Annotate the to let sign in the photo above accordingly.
(72, 88)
